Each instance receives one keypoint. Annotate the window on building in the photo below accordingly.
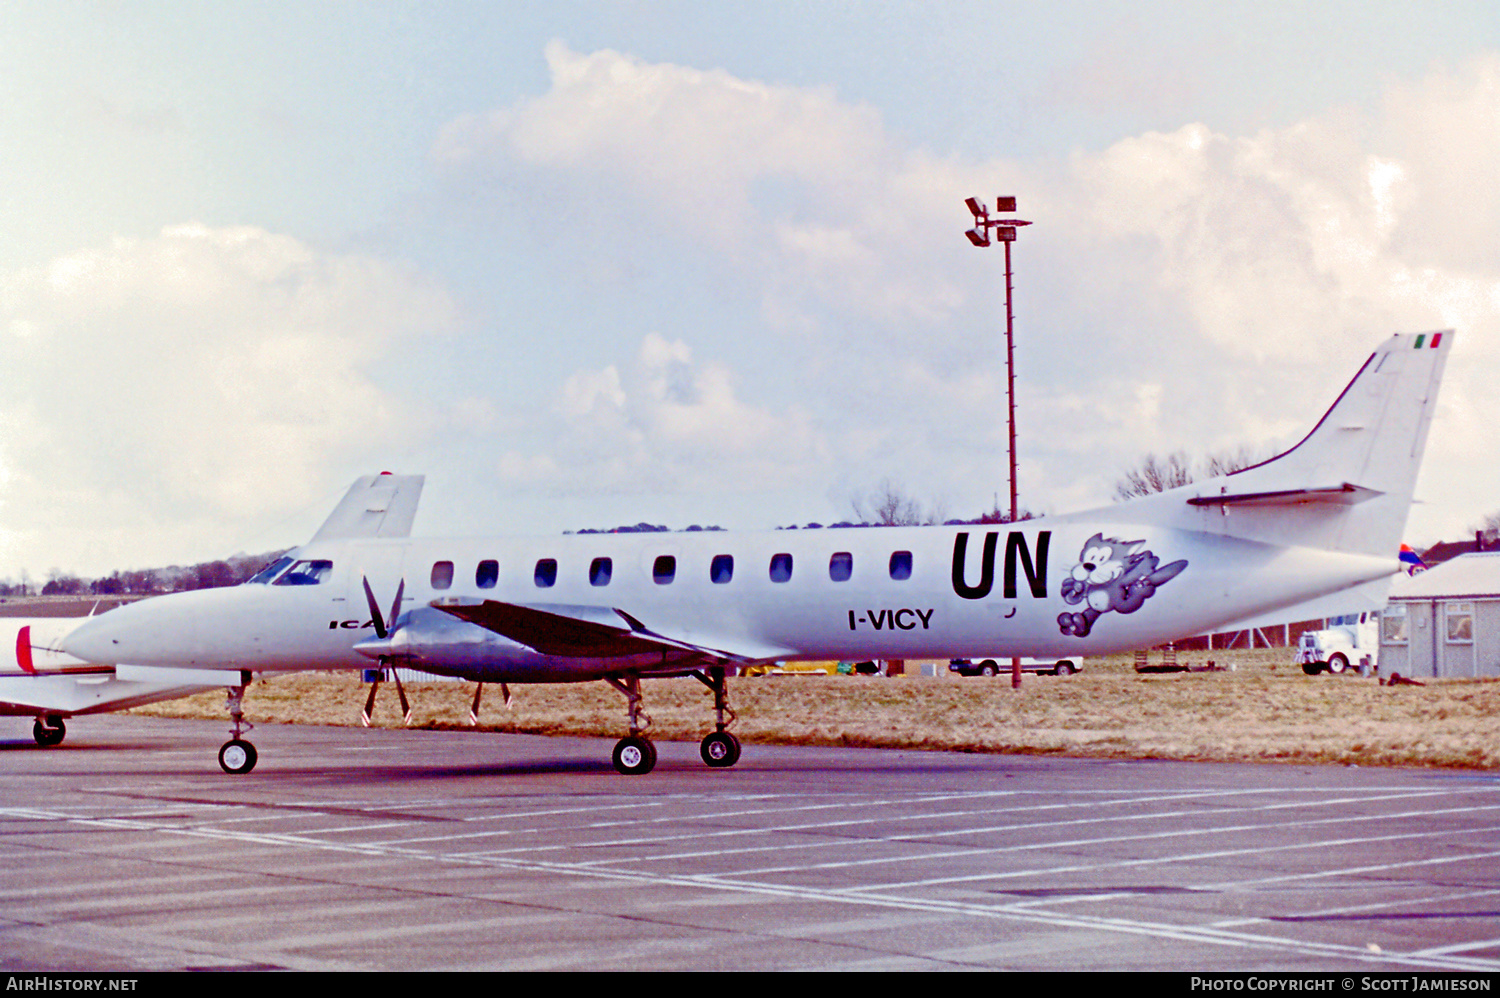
(487, 574)
(781, 567)
(442, 574)
(1460, 618)
(663, 569)
(1393, 624)
(841, 566)
(721, 569)
(546, 573)
(901, 565)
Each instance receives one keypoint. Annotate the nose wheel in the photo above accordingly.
(237, 756)
(48, 731)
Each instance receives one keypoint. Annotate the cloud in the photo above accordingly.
(1183, 289)
(663, 422)
(202, 375)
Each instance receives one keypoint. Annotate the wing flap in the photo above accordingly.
(569, 631)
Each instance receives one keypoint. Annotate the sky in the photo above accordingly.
(591, 264)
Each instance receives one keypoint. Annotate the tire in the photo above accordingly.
(1312, 668)
(1337, 663)
(989, 669)
(237, 757)
(49, 731)
(1064, 669)
(720, 750)
(634, 756)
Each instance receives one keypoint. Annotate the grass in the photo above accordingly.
(1265, 710)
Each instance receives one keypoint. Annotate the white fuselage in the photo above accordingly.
(891, 593)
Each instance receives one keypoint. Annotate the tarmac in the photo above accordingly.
(128, 850)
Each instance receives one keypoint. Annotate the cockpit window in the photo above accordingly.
(306, 573)
(265, 575)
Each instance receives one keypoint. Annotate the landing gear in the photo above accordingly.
(49, 731)
(237, 755)
(720, 749)
(634, 754)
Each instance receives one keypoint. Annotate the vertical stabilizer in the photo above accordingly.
(382, 505)
(1348, 485)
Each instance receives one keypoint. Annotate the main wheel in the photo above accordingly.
(634, 756)
(237, 756)
(49, 731)
(1337, 663)
(720, 750)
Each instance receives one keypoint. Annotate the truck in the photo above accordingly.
(1346, 641)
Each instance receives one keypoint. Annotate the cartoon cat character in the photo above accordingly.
(1111, 574)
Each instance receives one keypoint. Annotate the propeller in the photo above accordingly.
(384, 631)
(380, 628)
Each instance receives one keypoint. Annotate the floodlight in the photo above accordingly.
(1005, 233)
(980, 239)
(977, 209)
(1005, 204)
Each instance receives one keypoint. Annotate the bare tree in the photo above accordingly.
(1155, 475)
(1176, 470)
(890, 506)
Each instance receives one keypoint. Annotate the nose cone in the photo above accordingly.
(164, 630)
(99, 638)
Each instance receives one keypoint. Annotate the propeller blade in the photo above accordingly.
(375, 616)
(401, 692)
(396, 606)
(370, 703)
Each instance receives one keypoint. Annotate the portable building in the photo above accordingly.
(1445, 621)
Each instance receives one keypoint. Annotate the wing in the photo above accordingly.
(596, 632)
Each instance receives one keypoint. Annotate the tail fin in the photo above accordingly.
(1348, 485)
(382, 505)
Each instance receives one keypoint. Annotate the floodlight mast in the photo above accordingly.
(979, 235)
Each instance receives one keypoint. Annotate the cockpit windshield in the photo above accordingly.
(265, 575)
(306, 573)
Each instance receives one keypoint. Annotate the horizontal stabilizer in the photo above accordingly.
(588, 631)
(1338, 495)
(382, 505)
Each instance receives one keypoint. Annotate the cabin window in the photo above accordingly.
(721, 569)
(901, 565)
(306, 573)
(599, 571)
(487, 574)
(546, 573)
(841, 566)
(1393, 624)
(265, 575)
(781, 567)
(442, 575)
(664, 569)
(1460, 618)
